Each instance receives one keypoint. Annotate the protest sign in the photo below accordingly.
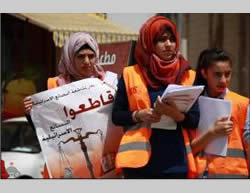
(74, 128)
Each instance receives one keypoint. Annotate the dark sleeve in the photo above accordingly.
(192, 117)
(121, 115)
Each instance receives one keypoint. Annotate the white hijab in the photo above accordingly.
(66, 64)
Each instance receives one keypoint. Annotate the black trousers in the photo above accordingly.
(133, 173)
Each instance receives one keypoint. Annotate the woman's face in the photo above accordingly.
(84, 62)
(165, 47)
(218, 77)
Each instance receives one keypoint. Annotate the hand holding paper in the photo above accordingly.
(148, 115)
(222, 127)
(175, 101)
(183, 96)
(168, 108)
(212, 112)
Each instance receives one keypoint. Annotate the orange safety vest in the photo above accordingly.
(234, 165)
(52, 82)
(135, 150)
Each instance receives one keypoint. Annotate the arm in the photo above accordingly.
(27, 105)
(121, 115)
(192, 117)
(221, 127)
(199, 143)
(168, 108)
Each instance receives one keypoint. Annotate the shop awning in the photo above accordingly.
(62, 25)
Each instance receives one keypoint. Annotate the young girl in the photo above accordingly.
(214, 70)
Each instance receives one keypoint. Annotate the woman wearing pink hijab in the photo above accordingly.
(79, 60)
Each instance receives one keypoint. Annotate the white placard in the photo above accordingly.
(74, 128)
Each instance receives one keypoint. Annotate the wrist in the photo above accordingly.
(211, 133)
(180, 117)
(135, 116)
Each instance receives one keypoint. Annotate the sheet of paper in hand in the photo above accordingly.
(184, 97)
(74, 128)
(212, 109)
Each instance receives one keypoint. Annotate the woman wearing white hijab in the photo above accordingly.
(79, 60)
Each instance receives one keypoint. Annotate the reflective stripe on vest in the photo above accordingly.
(231, 152)
(135, 150)
(234, 165)
(188, 149)
(236, 153)
(135, 146)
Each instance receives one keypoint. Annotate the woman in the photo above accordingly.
(214, 70)
(79, 60)
(156, 153)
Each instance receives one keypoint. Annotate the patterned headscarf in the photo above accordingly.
(158, 72)
(66, 65)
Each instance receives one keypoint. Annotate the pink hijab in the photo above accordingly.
(66, 64)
